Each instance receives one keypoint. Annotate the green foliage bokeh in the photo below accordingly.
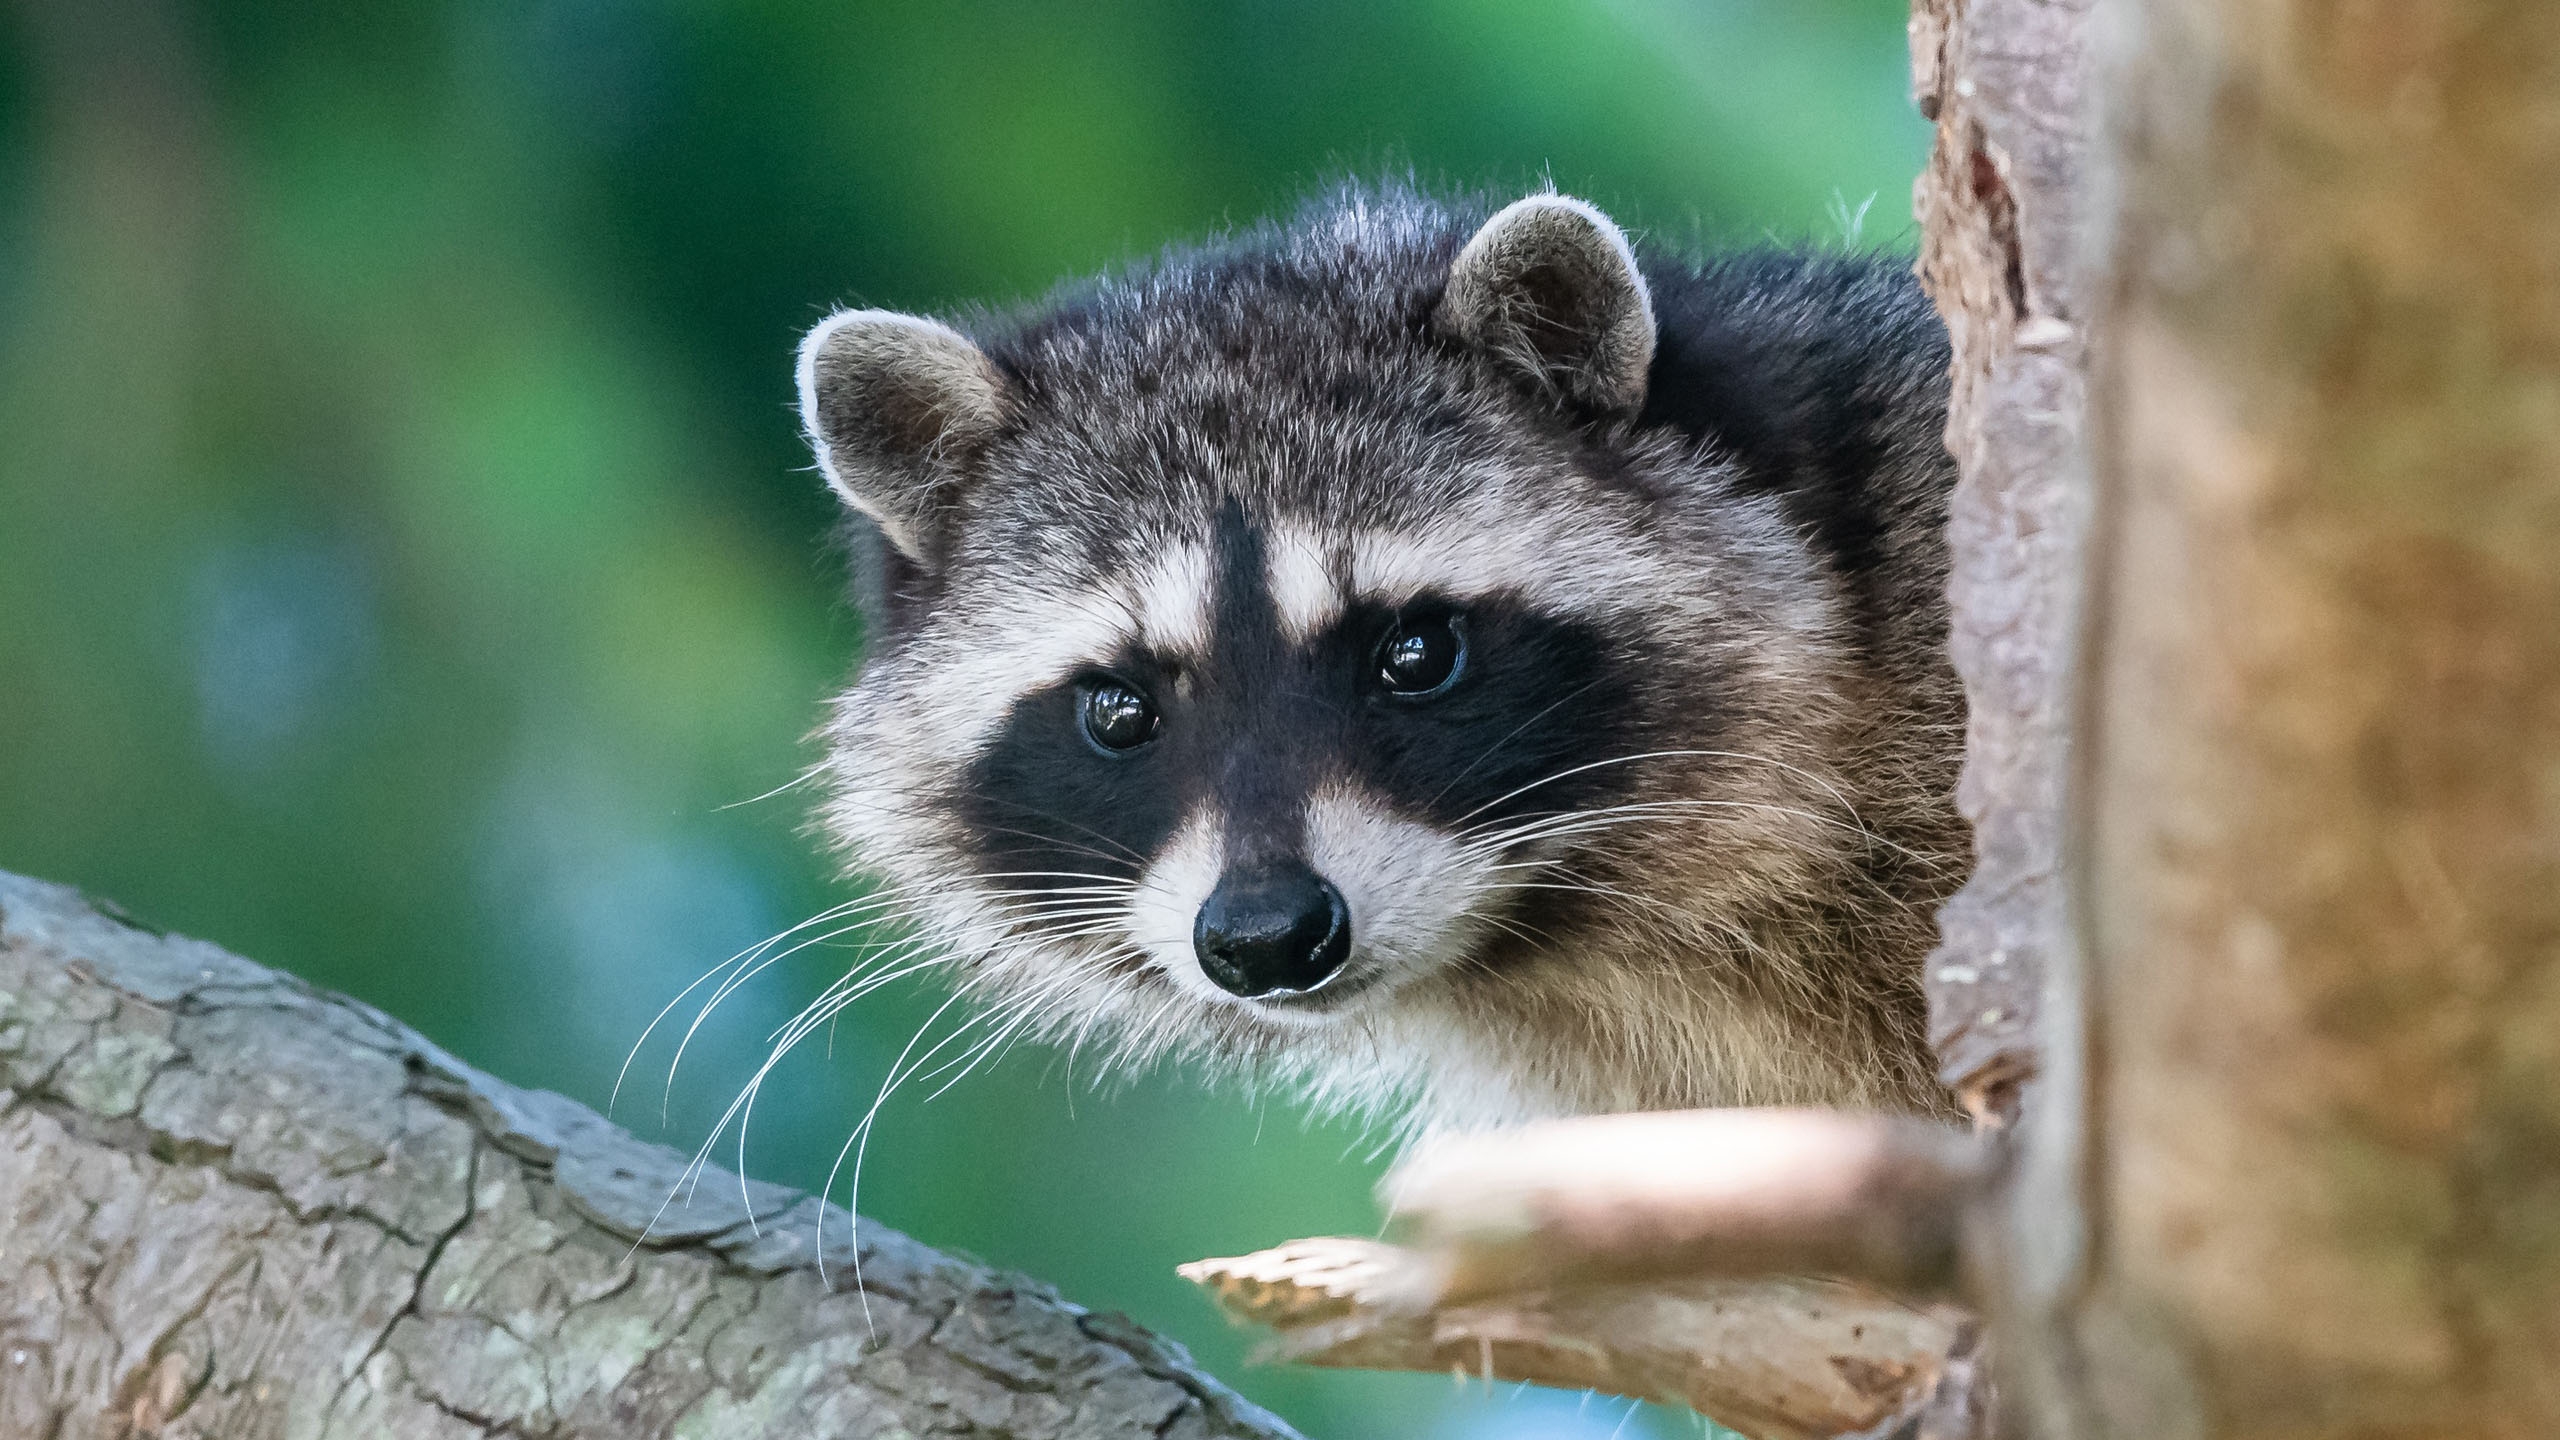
(408, 563)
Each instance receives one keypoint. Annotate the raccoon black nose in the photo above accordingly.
(1271, 930)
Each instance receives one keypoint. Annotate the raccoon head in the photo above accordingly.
(1298, 654)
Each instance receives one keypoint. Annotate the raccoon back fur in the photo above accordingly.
(1451, 660)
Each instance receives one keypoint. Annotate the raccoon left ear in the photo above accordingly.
(896, 407)
(1550, 287)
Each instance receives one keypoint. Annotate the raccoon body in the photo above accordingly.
(1457, 663)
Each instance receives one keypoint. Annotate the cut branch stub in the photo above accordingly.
(1787, 1359)
(1657, 1256)
(1737, 1193)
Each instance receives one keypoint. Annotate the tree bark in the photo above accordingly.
(2002, 222)
(2006, 218)
(2319, 815)
(233, 1206)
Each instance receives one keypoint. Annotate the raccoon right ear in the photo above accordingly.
(896, 405)
(1550, 287)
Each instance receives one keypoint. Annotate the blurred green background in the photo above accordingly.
(408, 563)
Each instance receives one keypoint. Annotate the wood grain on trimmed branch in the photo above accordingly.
(1774, 1359)
(1711, 1193)
(1653, 1256)
(232, 1205)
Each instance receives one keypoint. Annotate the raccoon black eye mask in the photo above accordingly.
(1440, 656)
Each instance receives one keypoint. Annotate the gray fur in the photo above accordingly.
(1727, 472)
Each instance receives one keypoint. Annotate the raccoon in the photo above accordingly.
(1450, 660)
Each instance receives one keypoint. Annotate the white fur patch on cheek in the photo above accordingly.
(1410, 889)
(1168, 900)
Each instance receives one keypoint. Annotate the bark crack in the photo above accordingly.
(426, 1269)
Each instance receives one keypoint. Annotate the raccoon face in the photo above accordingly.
(1295, 656)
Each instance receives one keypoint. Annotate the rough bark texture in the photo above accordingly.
(2004, 213)
(2001, 212)
(232, 1206)
(2320, 818)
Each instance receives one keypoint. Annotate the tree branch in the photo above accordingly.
(1785, 1359)
(231, 1205)
(1647, 1255)
(1738, 1194)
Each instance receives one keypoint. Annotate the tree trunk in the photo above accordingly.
(2318, 822)
(232, 1206)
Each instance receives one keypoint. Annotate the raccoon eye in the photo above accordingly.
(1423, 656)
(1116, 716)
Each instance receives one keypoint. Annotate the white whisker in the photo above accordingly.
(1819, 782)
(803, 778)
